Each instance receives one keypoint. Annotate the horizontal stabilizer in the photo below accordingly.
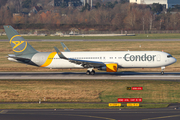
(18, 58)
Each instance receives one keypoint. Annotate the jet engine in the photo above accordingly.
(111, 67)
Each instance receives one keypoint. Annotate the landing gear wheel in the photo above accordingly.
(92, 72)
(162, 72)
(88, 72)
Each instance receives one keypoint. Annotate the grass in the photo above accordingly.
(138, 36)
(74, 106)
(171, 47)
(103, 91)
(94, 94)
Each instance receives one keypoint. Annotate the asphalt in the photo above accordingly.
(172, 76)
(61, 40)
(90, 114)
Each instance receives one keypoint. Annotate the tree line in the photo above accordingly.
(111, 16)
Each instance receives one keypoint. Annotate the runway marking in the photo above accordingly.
(149, 76)
(1, 111)
(162, 117)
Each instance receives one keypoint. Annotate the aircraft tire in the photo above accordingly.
(92, 72)
(162, 72)
(88, 72)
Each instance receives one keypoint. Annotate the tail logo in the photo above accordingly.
(18, 46)
(59, 53)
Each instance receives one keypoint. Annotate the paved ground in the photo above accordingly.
(99, 75)
(60, 40)
(86, 114)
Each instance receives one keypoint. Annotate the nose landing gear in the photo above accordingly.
(162, 70)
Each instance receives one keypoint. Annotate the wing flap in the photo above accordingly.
(87, 64)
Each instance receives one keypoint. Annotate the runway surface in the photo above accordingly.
(61, 40)
(99, 75)
(86, 114)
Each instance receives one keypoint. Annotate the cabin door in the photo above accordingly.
(158, 58)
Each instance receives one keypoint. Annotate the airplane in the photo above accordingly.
(65, 47)
(108, 61)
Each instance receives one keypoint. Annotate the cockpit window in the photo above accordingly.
(169, 56)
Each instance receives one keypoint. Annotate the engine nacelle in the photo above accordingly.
(111, 67)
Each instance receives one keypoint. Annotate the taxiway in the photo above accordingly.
(97, 76)
(87, 114)
(84, 40)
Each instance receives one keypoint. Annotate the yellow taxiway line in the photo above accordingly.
(171, 116)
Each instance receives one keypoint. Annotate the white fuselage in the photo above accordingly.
(105, 60)
(124, 59)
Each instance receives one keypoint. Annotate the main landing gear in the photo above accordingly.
(162, 72)
(90, 71)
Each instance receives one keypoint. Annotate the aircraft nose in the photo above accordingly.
(174, 60)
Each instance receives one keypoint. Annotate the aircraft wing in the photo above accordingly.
(84, 63)
(87, 64)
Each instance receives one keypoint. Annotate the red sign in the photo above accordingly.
(137, 88)
(129, 99)
(135, 99)
(123, 100)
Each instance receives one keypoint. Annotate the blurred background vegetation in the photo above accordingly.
(102, 16)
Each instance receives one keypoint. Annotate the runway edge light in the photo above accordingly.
(114, 104)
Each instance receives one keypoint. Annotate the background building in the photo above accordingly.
(64, 3)
(168, 3)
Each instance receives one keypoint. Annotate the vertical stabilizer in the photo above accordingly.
(18, 43)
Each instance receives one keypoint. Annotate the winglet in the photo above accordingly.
(64, 47)
(59, 53)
